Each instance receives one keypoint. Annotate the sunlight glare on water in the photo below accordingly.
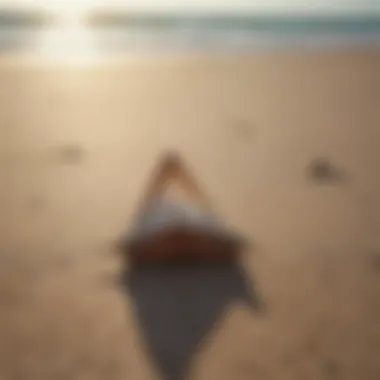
(68, 39)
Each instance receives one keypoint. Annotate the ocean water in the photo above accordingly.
(111, 32)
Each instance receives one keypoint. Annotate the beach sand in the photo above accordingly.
(77, 149)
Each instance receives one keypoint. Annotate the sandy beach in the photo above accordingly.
(77, 148)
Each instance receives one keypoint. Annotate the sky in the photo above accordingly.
(290, 7)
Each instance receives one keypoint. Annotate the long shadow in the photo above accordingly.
(178, 307)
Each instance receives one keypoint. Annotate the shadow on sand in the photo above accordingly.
(177, 308)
